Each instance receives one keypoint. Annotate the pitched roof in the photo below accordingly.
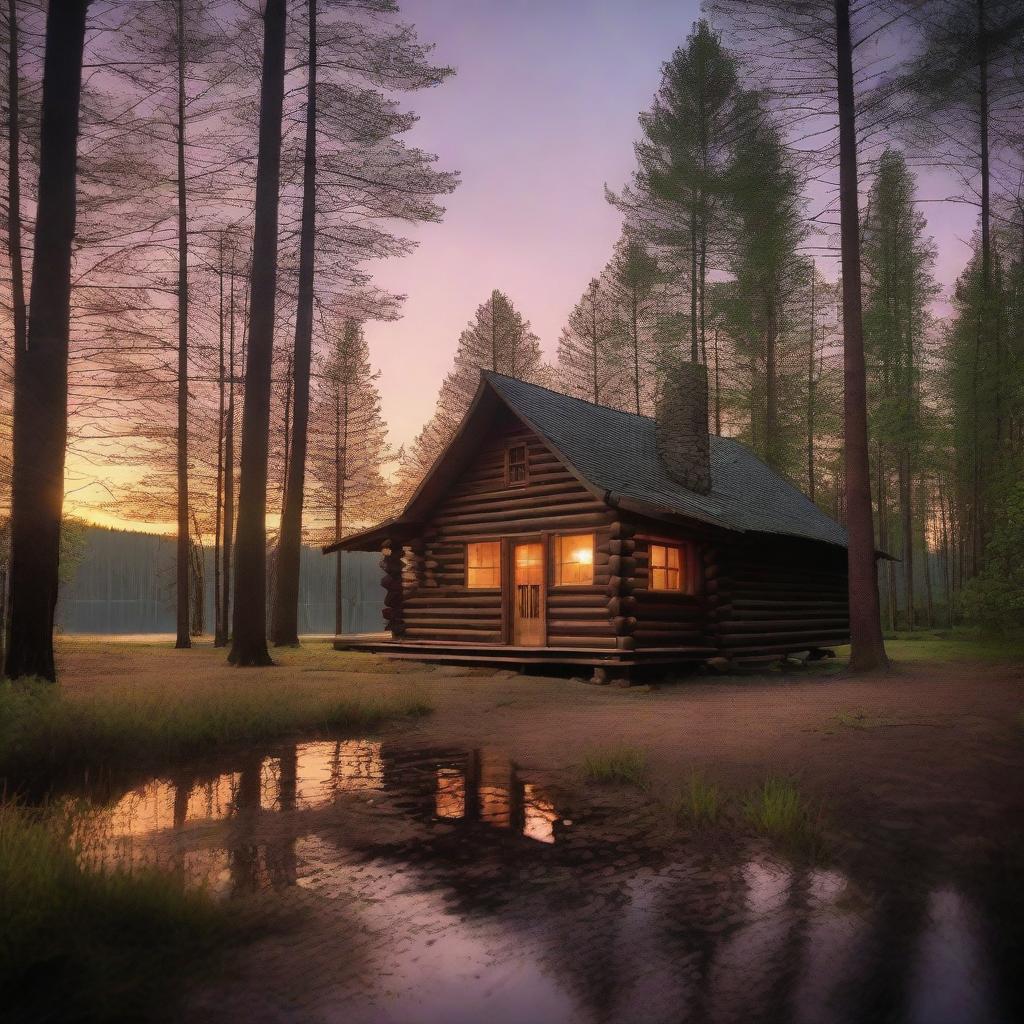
(615, 454)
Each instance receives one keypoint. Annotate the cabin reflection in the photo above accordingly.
(487, 788)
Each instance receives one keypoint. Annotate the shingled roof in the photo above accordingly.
(615, 454)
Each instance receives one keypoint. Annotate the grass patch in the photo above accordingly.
(778, 810)
(627, 765)
(47, 737)
(947, 645)
(699, 802)
(84, 945)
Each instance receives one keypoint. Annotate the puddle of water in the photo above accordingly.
(447, 886)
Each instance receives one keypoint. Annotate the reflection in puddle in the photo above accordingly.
(152, 824)
(472, 899)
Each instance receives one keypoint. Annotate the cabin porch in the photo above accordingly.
(513, 655)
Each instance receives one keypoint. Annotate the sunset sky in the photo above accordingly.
(541, 114)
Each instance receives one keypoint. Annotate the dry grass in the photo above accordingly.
(189, 704)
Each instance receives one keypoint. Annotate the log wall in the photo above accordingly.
(670, 618)
(775, 594)
(437, 605)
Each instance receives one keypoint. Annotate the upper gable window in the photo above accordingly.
(515, 465)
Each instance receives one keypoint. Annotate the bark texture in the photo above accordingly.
(249, 633)
(41, 367)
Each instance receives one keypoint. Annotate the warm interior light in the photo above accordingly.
(575, 560)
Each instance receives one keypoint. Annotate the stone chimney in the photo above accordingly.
(682, 426)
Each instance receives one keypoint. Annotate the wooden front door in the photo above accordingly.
(527, 594)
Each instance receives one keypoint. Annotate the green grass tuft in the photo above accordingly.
(699, 802)
(81, 944)
(47, 738)
(778, 810)
(616, 765)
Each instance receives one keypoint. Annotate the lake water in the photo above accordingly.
(450, 886)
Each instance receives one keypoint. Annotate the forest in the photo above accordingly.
(195, 193)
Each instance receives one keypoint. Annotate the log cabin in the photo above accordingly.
(553, 530)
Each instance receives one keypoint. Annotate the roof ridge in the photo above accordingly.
(610, 408)
(572, 398)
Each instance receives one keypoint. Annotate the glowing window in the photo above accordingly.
(483, 564)
(515, 465)
(574, 560)
(666, 567)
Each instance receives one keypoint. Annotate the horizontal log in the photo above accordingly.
(786, 615)
(770, 605)
(581, 596)
(502, 495)
(577, 627)
(490, 624)
(519, 509)
(562, 640)
(781, 626)
(663, 636)
(588, 614)
(482, 600)
(474, 635)
(810, 637)
(785, 648)
(564, 522)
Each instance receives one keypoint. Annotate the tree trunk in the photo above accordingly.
(718, 392)
(926, 559)
(285, 618)
(810, 396)
(229, 470)
(694, 341)
(907, 516)
(340, 470)
(249, 640)
(218, 520)
(18, 313)
(771, 381)
(634, 303)
(41, 367)
(289, 380)
(184, 638)
(867, 646)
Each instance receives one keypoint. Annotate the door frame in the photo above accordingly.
(508, 577)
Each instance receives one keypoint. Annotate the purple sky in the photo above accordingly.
(541, 114)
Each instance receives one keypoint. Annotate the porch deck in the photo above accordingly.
(502, 654)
